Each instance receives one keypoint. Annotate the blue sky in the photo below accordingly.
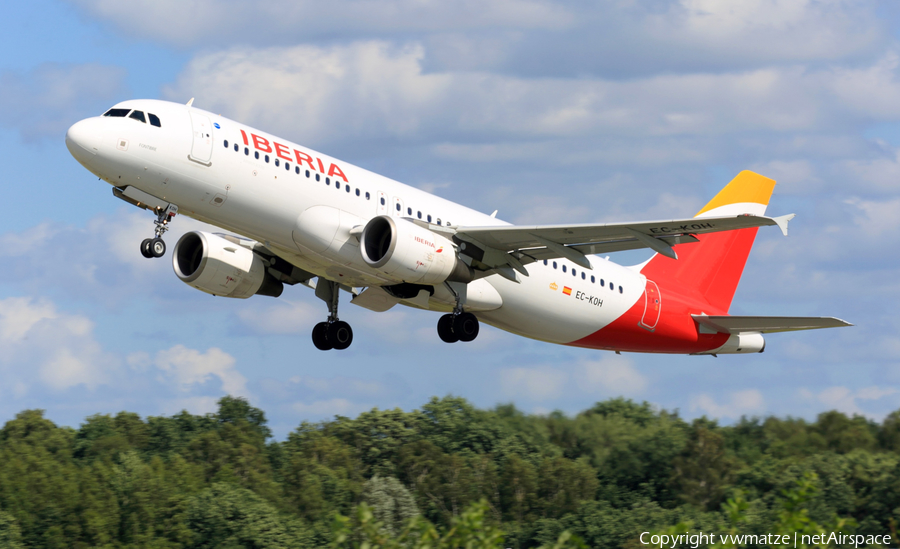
(547, 111)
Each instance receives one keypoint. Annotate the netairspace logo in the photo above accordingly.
(738, 540)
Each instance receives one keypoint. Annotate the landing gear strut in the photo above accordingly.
(333, 333)
(156, 247)
(457, 326)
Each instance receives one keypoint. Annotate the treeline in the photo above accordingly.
(440, 476)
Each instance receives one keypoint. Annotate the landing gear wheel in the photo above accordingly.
(445, 329)
(465, 326)
(320, 337)
(157, 247)
(340, 335)
(145, 248)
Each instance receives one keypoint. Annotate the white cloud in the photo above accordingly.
(606, 377)
(45, 101)
(282, 317)
(286, 20)
(611, 375)
(327, 408)
(376, 89)
(539, 384)
(847, 400)
(99, 261)
(737, 404)
(187, 367)
(876, 217)
(42, 344)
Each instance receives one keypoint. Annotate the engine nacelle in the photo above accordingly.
(220, 267)
(407, 252)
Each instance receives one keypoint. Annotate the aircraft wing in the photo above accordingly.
(494, 245)
(767, 324)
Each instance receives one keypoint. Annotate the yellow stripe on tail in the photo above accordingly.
(746, 187)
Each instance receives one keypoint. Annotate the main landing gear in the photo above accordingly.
(457, 326)
(156, 247)
(333, 333)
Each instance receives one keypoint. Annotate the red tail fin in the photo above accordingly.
(712, 267)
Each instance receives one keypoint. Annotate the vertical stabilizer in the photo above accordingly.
(713, 266)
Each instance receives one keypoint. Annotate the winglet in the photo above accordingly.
(782, 222)
(191, 102)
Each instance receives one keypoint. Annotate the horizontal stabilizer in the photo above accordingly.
(766, 324)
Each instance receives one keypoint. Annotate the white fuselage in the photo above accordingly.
(216, 170)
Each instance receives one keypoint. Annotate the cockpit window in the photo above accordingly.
(118, 113)
(154, 120)
(138, 115)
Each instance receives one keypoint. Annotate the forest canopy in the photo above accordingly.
(445, 475)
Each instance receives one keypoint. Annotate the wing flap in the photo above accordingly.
(728, 324)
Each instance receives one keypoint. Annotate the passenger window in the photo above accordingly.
(276, 161)
(545, 262)
(612, 286)
(429, 218)
(367, 195)
(398, 206)
(307, 174)
(602, 282)
(138, 115)
(357, 192)
(154, 120)
(554, 264)
(439, 221)
(317, 176)
(236, 148)
(226, 143)
(347, 188)
(582, 275)
(287, 166)
(408, 211)
(573, 272)
(117, 113)
(267, 159)
(382, 199)
(297, 170)
(246, 151)
(256, 155)
(593, 280)
(563, 268)
(620, 289)
(419, 214)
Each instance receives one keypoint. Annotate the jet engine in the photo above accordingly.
(409, 253)
(217, 266)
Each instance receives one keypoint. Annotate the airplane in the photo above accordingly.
(296, 216)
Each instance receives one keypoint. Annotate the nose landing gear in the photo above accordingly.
(333, 333)
(156, 247)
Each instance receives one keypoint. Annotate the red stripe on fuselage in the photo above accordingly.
(701, 281)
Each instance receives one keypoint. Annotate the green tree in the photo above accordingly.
(10, 535)
(227, 516)
(391, 503)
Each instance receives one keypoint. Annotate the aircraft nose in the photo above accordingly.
(83, 137)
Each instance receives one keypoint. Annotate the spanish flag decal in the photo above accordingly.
(567, 290)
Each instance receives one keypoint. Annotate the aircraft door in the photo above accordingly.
(382, 203)
(652, 306)
(201, 150)
(397, 208)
